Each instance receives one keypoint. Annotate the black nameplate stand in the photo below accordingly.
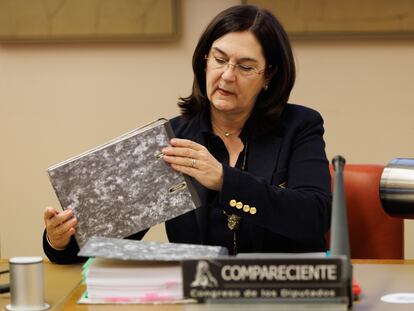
(280, 279)
(273, 279)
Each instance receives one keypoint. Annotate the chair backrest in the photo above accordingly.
(372, 233)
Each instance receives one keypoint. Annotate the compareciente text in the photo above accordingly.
(294, 272)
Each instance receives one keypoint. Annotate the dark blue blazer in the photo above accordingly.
(288, 182)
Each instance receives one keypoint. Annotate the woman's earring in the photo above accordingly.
(265, 87)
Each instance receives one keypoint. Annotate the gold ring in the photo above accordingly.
(193, 163)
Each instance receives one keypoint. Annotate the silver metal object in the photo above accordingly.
(397, 188)
(26, 284)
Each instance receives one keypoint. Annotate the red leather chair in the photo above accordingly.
(372, 233)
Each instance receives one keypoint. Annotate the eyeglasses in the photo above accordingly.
(217, 62)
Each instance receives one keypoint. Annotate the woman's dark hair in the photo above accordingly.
(280, 65)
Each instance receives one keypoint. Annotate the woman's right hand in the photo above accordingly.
(60, 226)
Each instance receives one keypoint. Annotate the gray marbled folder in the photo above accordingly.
(111, 248)
(123, 186)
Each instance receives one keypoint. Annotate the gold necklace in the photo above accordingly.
(226, 133)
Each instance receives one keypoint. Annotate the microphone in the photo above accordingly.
(339, 223)
(339, 240)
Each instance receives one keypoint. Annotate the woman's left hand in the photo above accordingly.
(195, 160)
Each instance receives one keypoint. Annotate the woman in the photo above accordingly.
(257, 162)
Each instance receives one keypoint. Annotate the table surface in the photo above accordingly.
(376, 278)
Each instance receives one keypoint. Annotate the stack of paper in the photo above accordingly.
(121, 281)
(127, 271)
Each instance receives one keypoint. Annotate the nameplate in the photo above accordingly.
(296, 278)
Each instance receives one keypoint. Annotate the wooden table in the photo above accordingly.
(376, 278)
